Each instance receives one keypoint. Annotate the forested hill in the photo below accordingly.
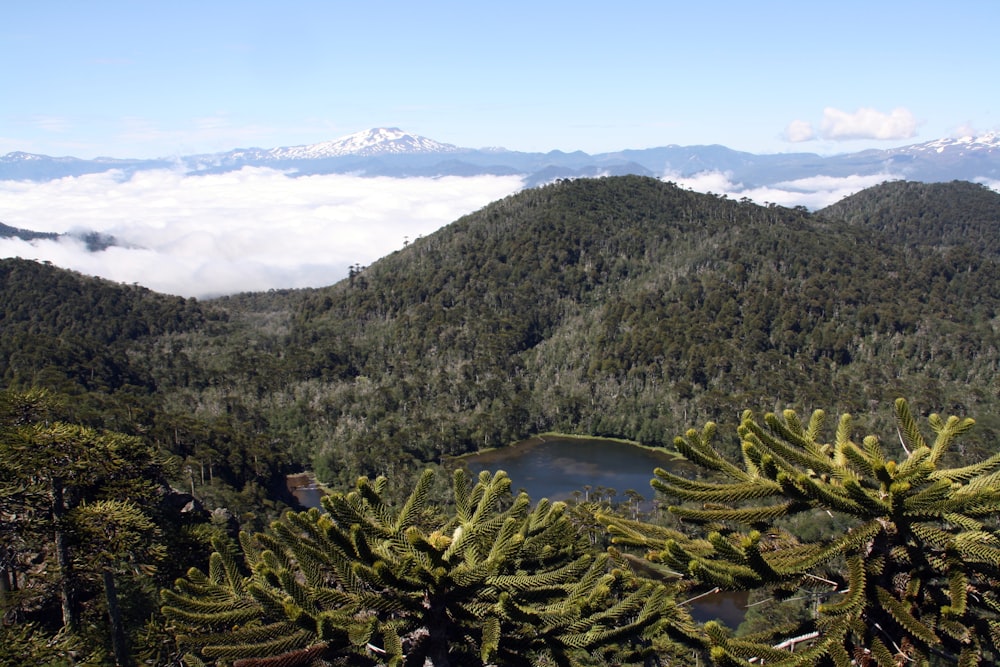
(79, 328)
(927, 214)
(622, 306)
(630, 307)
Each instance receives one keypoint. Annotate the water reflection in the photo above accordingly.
(560, 468)
(729, 607)
(304, 489)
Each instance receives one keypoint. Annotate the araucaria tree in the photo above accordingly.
(76, 507)
(495, 580)
(912, 581)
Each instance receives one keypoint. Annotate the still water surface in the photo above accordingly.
(553, 468)
(556, 467)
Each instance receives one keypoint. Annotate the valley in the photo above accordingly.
(622, 307)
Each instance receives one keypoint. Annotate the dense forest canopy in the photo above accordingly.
(622, 307)
(926, 214)
(542, 310)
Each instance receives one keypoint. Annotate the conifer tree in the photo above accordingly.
(365, 582)
(75, 502)
(914, 579)
(115, 537)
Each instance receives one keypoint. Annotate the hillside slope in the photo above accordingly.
(126, 358)
(629, 307)
(927, 214)
(620, 306)
(80, 327)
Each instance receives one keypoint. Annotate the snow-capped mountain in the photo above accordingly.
(393, 152)
(377, 141)
(988, 142)
(367, 143)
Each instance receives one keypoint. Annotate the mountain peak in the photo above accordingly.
(376, 141)
(20, 156)
(989, 142)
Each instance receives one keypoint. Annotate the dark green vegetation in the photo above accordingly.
(621, 307)
(365, 583)
(84, 523)
(912, 579)
(926, 214)
(628, 308)
(121, 358)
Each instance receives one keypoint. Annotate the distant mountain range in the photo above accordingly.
(393, 152)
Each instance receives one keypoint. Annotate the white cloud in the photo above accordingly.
(866, 123)
(715, 182)
(964, 130)
(991, 183)
(250, 230)
(258, 229)
(799, 130)
(51, 123)
(813, 193)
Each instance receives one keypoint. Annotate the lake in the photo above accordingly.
(562, 468)
(555, 467)
(304, 488)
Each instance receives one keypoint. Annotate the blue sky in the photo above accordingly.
(160, 79)
(145, 79)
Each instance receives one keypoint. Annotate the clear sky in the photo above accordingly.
(152, 79)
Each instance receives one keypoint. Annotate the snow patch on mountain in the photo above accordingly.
(377, 141)
(986, 142)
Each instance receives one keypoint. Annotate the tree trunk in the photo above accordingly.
(6, 577)
(438, 656)
(118, 641)
(436, 622)
(63, 560)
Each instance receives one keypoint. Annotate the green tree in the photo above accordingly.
(912, 581)
(496, 581)
(17, 498)
(75, 506)
(116, 538)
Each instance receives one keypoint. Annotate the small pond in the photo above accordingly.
(556, 467)
(304, 488)
(562, 468)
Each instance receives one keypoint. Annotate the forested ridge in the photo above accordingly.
(623, 307)
(115, 354)
(926, 214)
(61, 320)
(629, 307)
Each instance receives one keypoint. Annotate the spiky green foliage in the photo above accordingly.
(496, 581)
(912, 580)
(78, 510)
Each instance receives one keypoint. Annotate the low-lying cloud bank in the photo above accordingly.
(259, 229)
(813, 192)
(251, 230)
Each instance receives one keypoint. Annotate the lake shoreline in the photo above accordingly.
(541, 438)
(561, 467)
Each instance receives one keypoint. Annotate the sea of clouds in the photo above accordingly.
(258, 229)
(251, 230)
